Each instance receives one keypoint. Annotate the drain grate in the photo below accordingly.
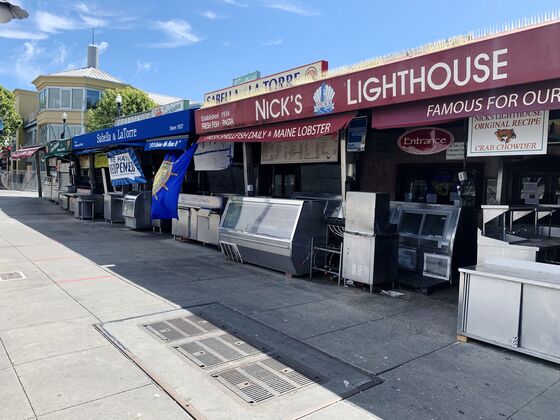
(12, 275)
(260, 381)
(179, 328)
(213, 351)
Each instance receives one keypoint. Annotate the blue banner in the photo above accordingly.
(167, 184)
(166, 144)
(174, 124)
(124, 167)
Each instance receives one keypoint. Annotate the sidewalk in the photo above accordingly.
(55, 365)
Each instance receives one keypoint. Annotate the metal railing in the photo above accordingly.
(20, 180)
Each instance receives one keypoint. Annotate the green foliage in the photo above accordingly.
(133, 101)
(8, 114)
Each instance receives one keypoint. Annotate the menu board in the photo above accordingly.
(322, 149)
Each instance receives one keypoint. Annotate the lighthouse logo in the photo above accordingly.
(323, 98)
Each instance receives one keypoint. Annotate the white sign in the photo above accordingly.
(266, 84)
(456, 151)
(213, 156)
(323, 149)
(122, 166)
(516, 133)
(155, 112)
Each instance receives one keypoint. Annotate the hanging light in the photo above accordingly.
(9, 11)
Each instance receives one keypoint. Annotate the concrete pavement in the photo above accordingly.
(55, 365)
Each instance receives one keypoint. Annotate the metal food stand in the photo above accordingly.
(370, 248)
(137, 210)
(512, 304)
(199, 217)
(434, 241)
(273, 233)
(113, 207)
(530, 233)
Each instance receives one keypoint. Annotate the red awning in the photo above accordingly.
(305, 129)
(25, 153)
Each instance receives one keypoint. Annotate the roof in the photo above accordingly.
(160, 99)
(89, 72)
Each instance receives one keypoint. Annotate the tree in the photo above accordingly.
(133, 101)
(12, 120)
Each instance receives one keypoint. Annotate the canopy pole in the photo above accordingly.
(91, 173)
(248, 169)
(343, 168)
(38, 169)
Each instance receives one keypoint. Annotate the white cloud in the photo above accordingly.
(15, 34)
(272, 42)
(60, 55)
(178, 32)
(291, 6)
(209, 14)
(103, 45)
(47, 22)
(235, 3)
(144, 66)
(93, 22)
(26, 67)
(227, 43)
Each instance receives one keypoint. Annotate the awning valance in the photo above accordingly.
(305, 129)
(25, 153)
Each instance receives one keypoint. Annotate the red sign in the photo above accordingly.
(289, 131)
(425, 141)
(517, 58)
(538, 96)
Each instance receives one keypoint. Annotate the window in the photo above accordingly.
(54, 98)
(43, 99)
(77, 98)
(93, 97)
(65, 98)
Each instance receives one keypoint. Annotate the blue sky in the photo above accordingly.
(188, 47)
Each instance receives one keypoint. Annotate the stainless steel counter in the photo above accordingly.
(513, 304)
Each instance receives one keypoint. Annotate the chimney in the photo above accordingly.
(93, 56)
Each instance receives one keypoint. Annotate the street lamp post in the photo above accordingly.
(64, 119)
(119, 104)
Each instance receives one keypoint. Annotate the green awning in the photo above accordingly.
(58, 148)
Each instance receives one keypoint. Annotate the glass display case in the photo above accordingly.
(434, 241)
(274, 233)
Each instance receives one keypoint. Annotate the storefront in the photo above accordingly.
(415, 126)
(118, 160)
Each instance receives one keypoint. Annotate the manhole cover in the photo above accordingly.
(213, 351)
(12, 275)
(259, 381)
(180, 328)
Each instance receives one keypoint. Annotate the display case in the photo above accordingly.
(434, 241)
(273, 233)
(137, 209)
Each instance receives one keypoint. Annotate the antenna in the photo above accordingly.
(93, 36)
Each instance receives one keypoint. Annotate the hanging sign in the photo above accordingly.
(357, 130)
(456, 151)
(425, 141)
(124, 167)
(517, 133)
(213, 156)
(100, 160)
